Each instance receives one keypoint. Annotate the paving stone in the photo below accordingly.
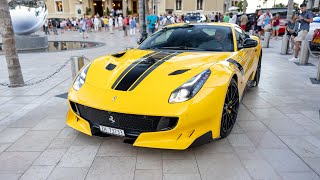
(240, 140)
(283, 160)
(16, 162)
(11, 135)
(257, 103)
(237, 129)
(180, 167)
(7, 176)
(50, 124)
(37, 172)
(113, 168)
(216, 146)
(266, 140)
(245, 115)
(299, 175)
(301, 147)
(314, 163)
(268, 113)
(61, 143)
(79, 156)
(50, 157)
(173, 154)
(34, 141)
(68, 133)
(3, 147)
(285, 127)
(181, 177)
(252, 126)
(115, 147)
(260, 169)
(61, 173)
(218, 166)
(85, 140)
(248, 153)
(149, 160)
(147, 174)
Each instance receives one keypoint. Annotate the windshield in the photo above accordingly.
(191, 37)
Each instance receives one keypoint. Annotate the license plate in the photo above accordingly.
(112, 131)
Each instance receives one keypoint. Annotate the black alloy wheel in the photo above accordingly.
(230, 109)
(258, 73)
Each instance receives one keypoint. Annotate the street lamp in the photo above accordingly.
(144, 34)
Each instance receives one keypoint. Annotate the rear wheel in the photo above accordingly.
(258, 72)
(230, 109)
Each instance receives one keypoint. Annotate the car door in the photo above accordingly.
(245, 54)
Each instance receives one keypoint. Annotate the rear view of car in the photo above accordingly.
(193, 17)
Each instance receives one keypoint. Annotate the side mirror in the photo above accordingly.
(250, 43)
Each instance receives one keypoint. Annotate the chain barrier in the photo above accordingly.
(309, 49)
(43, 79)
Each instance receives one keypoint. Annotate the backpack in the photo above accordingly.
(168, 21)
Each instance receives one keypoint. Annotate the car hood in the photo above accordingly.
(155, 71)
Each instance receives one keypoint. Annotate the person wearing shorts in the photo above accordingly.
(305, 19)
(260, 23)
(276, 26)
(292, 30)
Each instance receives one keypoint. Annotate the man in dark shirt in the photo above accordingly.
(305, 19)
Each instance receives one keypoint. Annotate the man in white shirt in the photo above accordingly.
(168, 19)
(260, 23)
(96, 22)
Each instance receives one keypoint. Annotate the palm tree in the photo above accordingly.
(290, 9)
(9, 46)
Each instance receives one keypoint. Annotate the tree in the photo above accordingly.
(240, 5)
(280, 5)
(245, 5)
(9, 46)
(290, 9)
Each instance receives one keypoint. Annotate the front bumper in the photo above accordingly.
(195, 118)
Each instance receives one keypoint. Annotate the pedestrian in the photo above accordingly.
(106, 23)
(267, 17)
(292, 30)
(111, 23)
(46, 27)
(88, 25)
(216, 17)
(96, 22)
(168, 19)
(276, 26)
(212, 19)
(304, 19)
(62, 24)
(124, 26)
(132, 26)
(120, 20)
(226, 18)
(151, 20)
(260, 23)
(54, 26)
(233, 18)
(84, 28)
(243, 21)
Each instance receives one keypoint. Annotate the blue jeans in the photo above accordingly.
(151, 30)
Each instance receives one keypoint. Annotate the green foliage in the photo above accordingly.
(240, 6)
(280, 5)
(88, 11)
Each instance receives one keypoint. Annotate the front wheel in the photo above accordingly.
(256, 79)
(230, 109)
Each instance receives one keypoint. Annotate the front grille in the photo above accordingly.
(130, 123)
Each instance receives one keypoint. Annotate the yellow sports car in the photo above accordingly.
(181, 86)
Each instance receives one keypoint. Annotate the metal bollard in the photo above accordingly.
(285, 45)
(77, 62)
(266, 40)
(304, 53)
(318, 73)
(250, 32)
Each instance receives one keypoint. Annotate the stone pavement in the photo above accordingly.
(277, 135)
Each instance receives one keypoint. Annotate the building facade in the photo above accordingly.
(79, 8)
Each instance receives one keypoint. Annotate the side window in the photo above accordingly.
(163, 38)
(240, 37)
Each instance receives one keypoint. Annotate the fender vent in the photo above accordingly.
(110, 66)
(181, 71)
(118, 55)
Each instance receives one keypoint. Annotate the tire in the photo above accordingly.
(230, 109)
(256, 79)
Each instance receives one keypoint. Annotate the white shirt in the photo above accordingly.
(164, 20)
(110, 22)
(234, 19)
(96, 21)
(260, 20)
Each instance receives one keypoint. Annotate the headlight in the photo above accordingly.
(81, 78)
(190, 88)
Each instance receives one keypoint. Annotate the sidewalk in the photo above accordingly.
(277, 135)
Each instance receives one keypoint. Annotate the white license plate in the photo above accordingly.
(112, 131)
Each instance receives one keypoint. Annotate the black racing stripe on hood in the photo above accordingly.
(151, 69)
(130, 67)
(133, 75)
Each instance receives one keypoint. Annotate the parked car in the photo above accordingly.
(193, 17)
(314, 34)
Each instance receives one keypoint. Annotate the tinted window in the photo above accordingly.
(191, 37)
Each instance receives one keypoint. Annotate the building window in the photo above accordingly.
(199, 4)
(59, 7)
(178, 4)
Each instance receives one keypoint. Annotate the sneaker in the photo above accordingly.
(294, 59)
